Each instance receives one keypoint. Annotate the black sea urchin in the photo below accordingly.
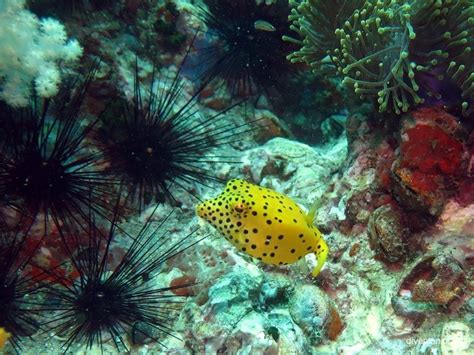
(17, 288)
(99, 301)
(67, 7)
(156, 142)
(47, 167)
(250, 55)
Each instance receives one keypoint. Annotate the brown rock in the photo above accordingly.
(388, 233)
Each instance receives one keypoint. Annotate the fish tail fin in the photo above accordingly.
(321, 253)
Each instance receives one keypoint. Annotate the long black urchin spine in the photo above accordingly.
(19, 306)
(99, 301)
(48, 168)
(159, 140)
(246, 50)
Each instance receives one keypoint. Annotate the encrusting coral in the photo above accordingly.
(400, 53)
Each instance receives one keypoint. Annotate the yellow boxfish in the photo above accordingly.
(264, 224)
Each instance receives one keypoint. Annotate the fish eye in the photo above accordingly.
(239, 207)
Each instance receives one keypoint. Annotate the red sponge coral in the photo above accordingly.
(432, 156)
(431, 150)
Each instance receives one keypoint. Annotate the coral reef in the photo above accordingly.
(435, 283)
(456, 338)
(166, 25)
(391, 192)
(247, 309)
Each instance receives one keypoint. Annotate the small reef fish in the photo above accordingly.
(261, 25)
(264, 224)
(4, 335)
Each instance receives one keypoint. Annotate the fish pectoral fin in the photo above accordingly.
(321, 254)
(312, 211)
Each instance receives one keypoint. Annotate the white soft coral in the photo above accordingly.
(30, 50)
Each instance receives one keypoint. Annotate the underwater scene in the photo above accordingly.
(237, 177)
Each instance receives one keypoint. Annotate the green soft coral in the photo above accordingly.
(382, 48)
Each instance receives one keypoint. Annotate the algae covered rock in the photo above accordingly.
(274, 291)
(237, 287)
(434, 284)
(387, 233)
(312, 310)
